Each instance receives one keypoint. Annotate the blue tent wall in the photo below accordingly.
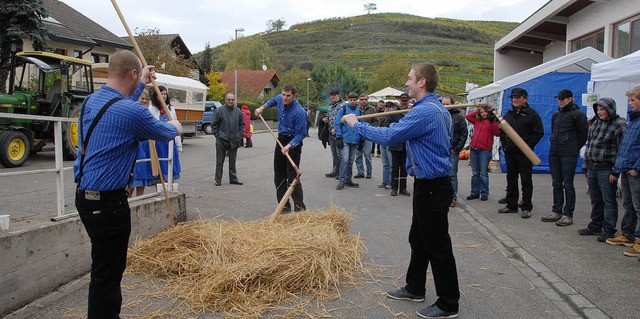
(541, 97)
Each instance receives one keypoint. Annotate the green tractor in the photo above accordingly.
(45, 84)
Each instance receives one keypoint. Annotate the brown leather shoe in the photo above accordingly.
(453, 203)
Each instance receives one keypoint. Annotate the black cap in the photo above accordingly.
(563, 94)
(334, 92)
(518, 92)
(404, 96)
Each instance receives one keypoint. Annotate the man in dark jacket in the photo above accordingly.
(568, 135)
(228, 127)
(336, 152)
(528, 124)
(603, 142)
(460, 133)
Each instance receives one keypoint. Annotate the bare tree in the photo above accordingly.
(370, 7)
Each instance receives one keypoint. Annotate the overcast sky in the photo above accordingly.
(215, 21)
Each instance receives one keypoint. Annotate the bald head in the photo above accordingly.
(122, 62)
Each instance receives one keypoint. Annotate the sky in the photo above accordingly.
(215, 21)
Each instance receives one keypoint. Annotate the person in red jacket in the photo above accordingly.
(246, 114)
(484, 129)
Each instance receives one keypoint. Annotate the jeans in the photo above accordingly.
(336, 155)
(454, 158)
(604, 207)
(518, 165)
(348, 155)
(385, 155)
(630, 187)
(366, 152)
(108, 224)
(563, 171)
(480, 169)
(431, 244)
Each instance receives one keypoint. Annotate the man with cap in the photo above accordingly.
(568, 135)
(528, 124)
(404, 101)
(603, 142)
(336, 152)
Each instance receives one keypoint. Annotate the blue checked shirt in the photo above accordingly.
(113, 145)
(292, 119)
(426, 129)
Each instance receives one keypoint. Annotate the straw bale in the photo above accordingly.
(244, 268)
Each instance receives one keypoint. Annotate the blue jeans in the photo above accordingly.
(563, 171)
(366, 152)
(480, 169)
(454, 158)
(336, 154)
(604, 207)
(385, 155)
(630, 187)
(346, 168)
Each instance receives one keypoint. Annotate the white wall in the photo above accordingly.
(554, 50)
(512, 62)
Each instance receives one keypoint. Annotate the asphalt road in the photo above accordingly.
(508, 267)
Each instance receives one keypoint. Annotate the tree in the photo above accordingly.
(246, 53)
(207, 58)
(217, 89)
(298, 78)
(20, 19)
(337, 77)
(275, 25)
(157, 51)
(370, 7)
(392, 72)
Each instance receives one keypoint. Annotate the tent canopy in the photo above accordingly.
(388, 91)
(579, 61)
(614, 78)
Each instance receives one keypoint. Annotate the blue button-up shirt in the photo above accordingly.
(292, 119)
(114, 142)
(427, 129)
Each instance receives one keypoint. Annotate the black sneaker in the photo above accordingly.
(359, 176)
(394, 192)
(351, 184)
(484, 198)
(403, 294)
(502, 200)
(603, 238)
(434, 312)
(589, 232)
(507, 210)
(340, 186)
(472, 197)
(368, 176)
(332, 174)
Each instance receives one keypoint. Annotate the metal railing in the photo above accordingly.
(59, 164)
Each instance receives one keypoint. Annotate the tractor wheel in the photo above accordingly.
(14, 148)
(207, 129)
(70, 133)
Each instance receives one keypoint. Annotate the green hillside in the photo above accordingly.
(463, 50)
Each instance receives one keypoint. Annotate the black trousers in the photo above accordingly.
(284, 174)
(108, 224)
(222, 149)
(431, 244)
(399, 170)
(519, 165)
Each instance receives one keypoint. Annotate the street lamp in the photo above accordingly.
(308, 80)
(235, 103)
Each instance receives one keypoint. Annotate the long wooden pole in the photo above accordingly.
(152, 146)
(511, 133)
(293, 185)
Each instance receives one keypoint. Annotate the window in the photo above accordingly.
(626, 37)
(99, 58)
(60, 51)
(594, 40)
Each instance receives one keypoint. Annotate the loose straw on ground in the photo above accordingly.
(242, 269)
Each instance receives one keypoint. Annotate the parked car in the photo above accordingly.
(207, 116)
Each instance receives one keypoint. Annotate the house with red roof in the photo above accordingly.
(254, 83)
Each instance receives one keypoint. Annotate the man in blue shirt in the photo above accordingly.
(347, 140)
(427, 131)
(292, 129)
(108, 145)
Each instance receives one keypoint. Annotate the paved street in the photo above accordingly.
(508, 267)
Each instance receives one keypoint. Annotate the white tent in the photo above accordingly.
(388, 91)
(614, 78)
(579, 61)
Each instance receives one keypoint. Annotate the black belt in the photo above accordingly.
(100, 195)
(437, 179)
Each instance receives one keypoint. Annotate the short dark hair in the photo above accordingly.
(352, 95)
(288, 87)
(389, 104)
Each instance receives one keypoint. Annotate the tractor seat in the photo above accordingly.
(53, 96)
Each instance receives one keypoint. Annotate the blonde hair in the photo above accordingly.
(635, 92)
(145, 94)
